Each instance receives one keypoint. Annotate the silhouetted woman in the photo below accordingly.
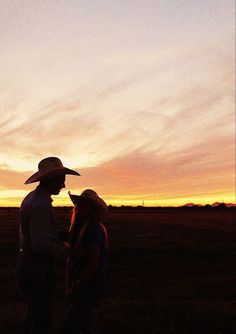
(86, 265)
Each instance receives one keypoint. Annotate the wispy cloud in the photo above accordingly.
(200, 169)
(12, 179)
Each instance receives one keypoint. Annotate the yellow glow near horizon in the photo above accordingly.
(131, 200)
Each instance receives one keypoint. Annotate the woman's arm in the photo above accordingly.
(90, 269)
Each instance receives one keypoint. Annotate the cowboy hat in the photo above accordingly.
(90, 196)
(49, 168)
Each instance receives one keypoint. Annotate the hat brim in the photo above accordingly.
(98, 203)
(36, 177)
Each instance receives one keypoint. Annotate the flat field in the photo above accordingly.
(171, 271)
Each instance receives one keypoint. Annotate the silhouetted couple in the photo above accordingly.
(40, 247)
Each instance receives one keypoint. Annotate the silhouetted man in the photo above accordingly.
(39, 245)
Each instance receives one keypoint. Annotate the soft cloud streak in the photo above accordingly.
(197, 171)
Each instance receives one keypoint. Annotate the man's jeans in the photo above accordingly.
(36, 277)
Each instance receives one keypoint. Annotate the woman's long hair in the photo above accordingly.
(73, 226)
(94, 218)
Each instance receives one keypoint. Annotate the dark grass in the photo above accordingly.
(170, 271)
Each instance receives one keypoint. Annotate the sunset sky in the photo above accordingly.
(138, 96)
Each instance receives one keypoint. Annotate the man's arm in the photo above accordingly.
(44, 240)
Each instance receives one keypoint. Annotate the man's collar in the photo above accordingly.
(44, 193)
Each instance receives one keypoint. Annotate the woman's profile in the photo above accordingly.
(86, 263)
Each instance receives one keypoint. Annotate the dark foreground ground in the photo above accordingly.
(172, 271)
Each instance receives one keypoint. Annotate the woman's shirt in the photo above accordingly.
(95, 234)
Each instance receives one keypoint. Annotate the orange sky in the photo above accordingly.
(138, 97)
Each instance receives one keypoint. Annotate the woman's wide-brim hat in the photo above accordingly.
(50, 168)
(89, 196)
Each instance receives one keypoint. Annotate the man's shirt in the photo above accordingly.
(37, 232)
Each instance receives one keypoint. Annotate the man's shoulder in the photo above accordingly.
(33, 200)
(28, 198)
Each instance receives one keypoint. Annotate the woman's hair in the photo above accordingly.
(72, 230)
(73, 216)
(94, 218)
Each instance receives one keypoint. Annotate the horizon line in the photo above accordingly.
(187, 205)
